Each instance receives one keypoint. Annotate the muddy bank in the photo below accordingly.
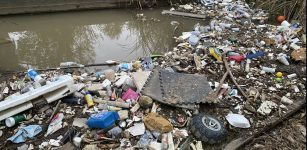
(9, 7)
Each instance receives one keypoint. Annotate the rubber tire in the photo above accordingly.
(202, 133)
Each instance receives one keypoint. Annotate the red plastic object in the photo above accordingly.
(280, 19)
(237, 58)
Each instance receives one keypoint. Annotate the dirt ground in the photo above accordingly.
(287, 135)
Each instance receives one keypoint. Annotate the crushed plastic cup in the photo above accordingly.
(293, 75)
(282, 58)
(238, 121)
(77, 141)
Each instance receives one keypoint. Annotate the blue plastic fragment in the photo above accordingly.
(254, 55)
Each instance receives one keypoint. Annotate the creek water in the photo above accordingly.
(86, 37)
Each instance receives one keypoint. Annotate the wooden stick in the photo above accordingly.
(232, 77)
(212, 96)
(72, 67)
(54, 111)
(177, 13)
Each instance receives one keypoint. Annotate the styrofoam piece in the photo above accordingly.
(238, 120)
(63, 86)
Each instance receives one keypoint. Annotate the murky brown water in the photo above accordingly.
(85, 37)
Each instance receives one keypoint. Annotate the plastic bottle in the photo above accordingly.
(214, 54)
(26, 89)
(254, 55)
(36, 77)
(73, 100)
(125, 67)
(11, 121)
(109, 90)
(89, 99)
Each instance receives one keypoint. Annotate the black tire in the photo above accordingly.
(209, 134)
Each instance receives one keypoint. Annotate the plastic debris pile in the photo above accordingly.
(108, 109)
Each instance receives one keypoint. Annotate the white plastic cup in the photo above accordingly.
(294, 46)
(290, 76)
(77, 141)
(285, 23)
(286, 100)
(268, 70)
(283, 59)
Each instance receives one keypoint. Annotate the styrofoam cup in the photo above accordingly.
(77, 141)
(283, 59)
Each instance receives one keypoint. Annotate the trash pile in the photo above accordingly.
(155, 102)
(99, 110)
(266, 63)
(226, 9)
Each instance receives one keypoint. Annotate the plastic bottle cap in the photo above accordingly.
(9, 122)
(279, 74)
(278, 79)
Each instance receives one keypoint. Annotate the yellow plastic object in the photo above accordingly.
(89, 100)
(217, 57)
(279, 74)
(136, 65)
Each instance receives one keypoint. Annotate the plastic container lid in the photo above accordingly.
(9, 122)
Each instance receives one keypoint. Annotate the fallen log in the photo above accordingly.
(183, 14)
(272, 122)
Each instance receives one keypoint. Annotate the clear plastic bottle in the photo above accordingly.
(36, 77)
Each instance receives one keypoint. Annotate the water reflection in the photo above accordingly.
(85, 37)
